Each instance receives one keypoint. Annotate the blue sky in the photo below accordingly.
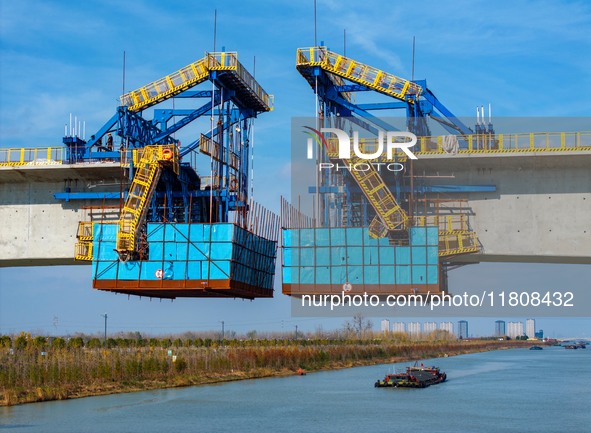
(526, 58)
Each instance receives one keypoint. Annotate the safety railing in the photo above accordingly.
(153, 152)
(360, 73)
(455, 235)
(336, 80)
(167, 86)
(252, 84)
(222, 61)
(32, 156)
(480, 144)
(83, 248)
(83, 251)
(506, 143)
(445, 223)
(451, 244)
(212, 148)
(85, 231)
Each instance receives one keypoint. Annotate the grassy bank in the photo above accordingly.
(42, 370)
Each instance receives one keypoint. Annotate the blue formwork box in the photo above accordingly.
(336, 255)
(387, 274)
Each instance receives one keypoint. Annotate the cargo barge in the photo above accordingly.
(413, 377)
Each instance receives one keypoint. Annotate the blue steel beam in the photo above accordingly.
(115, 155)
(423, 107)
(383, 106)
(323, 80)
(376, 121)
(161, 117)
(458, 124)
(188, 119)
(139, 131)
(352, 88)
(67, 196)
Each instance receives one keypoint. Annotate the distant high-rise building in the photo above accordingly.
(540, 334)
(515, 329)
(530, 328)
(414, 328)
(385, 325)
(500, 329)
(463, 329)
(398, 327)
(429, 327)
(447, 326)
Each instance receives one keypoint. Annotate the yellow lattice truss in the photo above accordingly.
(145, 179)
(359, 73)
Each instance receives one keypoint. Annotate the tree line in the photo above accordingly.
(128, 340)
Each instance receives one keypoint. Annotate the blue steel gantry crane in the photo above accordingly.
(176, 233)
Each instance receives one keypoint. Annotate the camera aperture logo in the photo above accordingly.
(386, 143)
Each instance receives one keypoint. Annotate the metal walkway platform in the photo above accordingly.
(194, 74)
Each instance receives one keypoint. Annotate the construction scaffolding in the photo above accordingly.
(375, 229)
(176, 233)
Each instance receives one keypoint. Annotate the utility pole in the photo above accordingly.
(105, 316)
(222, 331)
(296, 335)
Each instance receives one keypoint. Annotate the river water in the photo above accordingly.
(503, 391)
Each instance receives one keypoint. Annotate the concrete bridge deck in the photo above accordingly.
(540, 211)
(37, 229)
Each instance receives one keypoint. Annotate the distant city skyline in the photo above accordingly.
(501, 328)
